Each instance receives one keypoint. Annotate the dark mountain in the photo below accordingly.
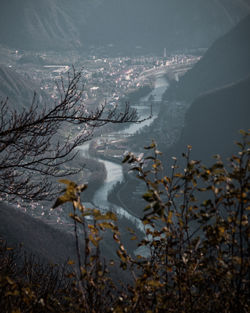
(19, 89)
(43, 240)
(153, 25)
(226, 62)
(36, 24)
(213, 122)
(54, 245)
(157, 24)
(37, 237)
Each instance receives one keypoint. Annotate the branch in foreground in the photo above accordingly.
(34, 144)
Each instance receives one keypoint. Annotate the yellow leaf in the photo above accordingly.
(9, 280)
(112, 216)
(121, 256)
(170, 214)
(83, 271)
(152, 146)
(237, 259)
(70, 194)
(178, 175)
(107, 216)
(81, 188)
(105, 225)
(154, 283)
(68, 182)
(77, 219)
(221, 229)
(93, 240)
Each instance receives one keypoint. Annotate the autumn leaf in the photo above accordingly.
(70, 194)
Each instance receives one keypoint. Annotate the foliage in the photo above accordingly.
(199, 253)
(195, 255)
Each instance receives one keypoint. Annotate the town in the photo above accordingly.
(105, 79)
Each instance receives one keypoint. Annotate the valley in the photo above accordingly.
(124, 156)
(140, 80)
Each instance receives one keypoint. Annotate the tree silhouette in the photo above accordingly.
(31, 148)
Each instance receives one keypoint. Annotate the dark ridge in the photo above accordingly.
(37, 237)
(150, 24)
(213, 122)
(227, 61)
(50, 244)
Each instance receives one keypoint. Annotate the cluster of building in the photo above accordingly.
(104, 79)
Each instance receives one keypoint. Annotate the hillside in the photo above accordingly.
(51, 244)
(213, 121)
(57, 24)
(33, 24)
(155, 25)
(36, 236)
(19, 89)
(226, 61)
(39, 238)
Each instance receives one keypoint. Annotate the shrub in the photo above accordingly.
(195, 254)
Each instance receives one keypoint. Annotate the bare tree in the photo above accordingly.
(31, 149)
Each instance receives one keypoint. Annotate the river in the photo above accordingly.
(114, 170)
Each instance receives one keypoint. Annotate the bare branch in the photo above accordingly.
(30, 142)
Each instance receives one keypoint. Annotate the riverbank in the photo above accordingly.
(93, 173)
(120, 191)
(128, 194)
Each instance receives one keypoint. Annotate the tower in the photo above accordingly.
(165, 53)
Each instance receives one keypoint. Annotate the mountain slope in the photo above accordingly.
(173, 24)
(213, 121)
(46, 242)
(227, 61)
(19, 89)
(37, 238)
(35, 24)
(57, 24)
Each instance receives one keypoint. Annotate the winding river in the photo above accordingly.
(114, 170)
